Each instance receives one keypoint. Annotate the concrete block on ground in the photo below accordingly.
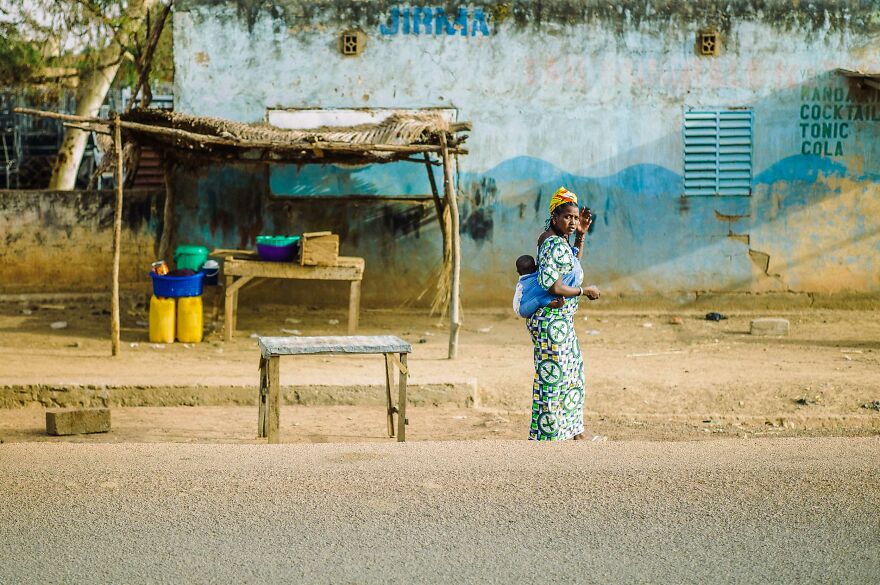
(769, 326)
(77, 421)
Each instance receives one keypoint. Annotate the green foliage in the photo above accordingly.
(163, 59)
(19, 59)
(80, 34)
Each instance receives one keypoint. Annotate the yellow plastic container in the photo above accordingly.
(189, 319)
(162, 320)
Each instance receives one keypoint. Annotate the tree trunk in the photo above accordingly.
(93, 88)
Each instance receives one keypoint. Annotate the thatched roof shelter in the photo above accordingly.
(402, 136)
(398, 137)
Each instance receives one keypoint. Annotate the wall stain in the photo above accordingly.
(476, 209)
(819, 16)
(68, 235)
(406, 221)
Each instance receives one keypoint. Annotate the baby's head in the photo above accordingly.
(525, 265)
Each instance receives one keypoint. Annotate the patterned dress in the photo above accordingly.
(558, 388)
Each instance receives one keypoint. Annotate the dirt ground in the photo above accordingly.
(650, 374)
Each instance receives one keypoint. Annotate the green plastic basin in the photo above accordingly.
(277, 241)
(188, 257)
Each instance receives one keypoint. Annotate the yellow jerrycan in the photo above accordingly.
(189, 319)
(161, 320)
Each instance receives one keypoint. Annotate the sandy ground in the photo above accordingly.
(780, 511)
(648, 378)
(364, 424)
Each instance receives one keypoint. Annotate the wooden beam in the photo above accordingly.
(117, 239)
(238, 284)
(88, 128)
(400, 365)
(455, 277)
(435, 194)
(168, 210)
(228, 309)
(57, 116)
(443, 220)
(203, 139)
(273, 400)
(145, 62)
(262, 397)
(401, 401)
(291, 270)
(389, 382)
(282, 146)
(354, 306)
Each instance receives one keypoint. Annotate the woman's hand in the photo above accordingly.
(591, 292)
(585, 221)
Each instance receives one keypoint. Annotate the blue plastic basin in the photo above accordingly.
(178, 286)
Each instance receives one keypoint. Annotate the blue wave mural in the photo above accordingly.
(643, 223)
(647, 237)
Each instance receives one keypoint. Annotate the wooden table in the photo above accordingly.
(243, 266)
(393, 348)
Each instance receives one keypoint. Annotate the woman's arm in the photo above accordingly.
(560, 289)
(579, 244)
(586, 220)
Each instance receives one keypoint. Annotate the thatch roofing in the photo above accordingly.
(398, 137)
(870, 79)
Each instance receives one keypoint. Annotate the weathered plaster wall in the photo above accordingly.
(586, 94)
(61, 241)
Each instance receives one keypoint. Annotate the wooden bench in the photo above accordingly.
(241, 267)
(393, 348)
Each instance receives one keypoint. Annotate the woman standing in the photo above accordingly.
(558, 388)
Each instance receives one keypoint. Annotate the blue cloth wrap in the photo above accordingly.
(534, 296)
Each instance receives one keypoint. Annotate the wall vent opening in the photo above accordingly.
(709, 43)
(351, 43)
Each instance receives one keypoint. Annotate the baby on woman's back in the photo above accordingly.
(529, 295)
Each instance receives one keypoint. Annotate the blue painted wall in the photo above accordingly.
(578, 94)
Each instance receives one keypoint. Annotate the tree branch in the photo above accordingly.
(145, 64)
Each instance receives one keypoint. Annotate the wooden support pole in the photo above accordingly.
(354, 306)
(401, 401)
(168, 210)
(273, 401)
(441, 305)
(117, 240)
(438, 204)
(389, 382)
(228, 309)
(455, 277)
(231, 303)
(262, 397)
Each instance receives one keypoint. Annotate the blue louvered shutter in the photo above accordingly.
(718, 152)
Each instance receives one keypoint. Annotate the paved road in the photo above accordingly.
(745, 511)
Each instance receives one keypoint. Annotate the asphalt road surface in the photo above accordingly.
(744, 511)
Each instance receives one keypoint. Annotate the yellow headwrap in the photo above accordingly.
(561, 197)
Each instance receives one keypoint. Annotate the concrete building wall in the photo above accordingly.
(62, 241)
(590, 95)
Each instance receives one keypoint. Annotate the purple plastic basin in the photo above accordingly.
(277, 253)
